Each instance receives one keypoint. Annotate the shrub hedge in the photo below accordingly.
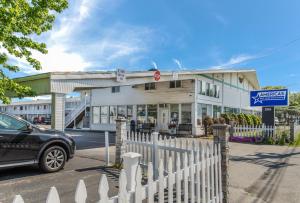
(241, 119)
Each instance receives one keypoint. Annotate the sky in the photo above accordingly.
(174, 34)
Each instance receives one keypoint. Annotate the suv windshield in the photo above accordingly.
(10, 123)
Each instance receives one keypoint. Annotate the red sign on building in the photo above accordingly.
(157, 75)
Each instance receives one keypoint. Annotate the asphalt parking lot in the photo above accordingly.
(88, 164)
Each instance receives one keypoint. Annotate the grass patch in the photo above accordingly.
(297, 141)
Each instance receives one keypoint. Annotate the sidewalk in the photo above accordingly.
(34, 185)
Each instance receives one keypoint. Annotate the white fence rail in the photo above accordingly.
(196, 181)
(188, 172)
(254, 131)
(172, 152)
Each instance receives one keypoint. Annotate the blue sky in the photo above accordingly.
(198, 34)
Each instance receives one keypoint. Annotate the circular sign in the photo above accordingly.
(156, 75)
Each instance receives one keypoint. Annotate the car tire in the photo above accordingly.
(53, 159)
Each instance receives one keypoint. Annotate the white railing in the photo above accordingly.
(254, 131)
(196, 181)
(72, 115)
(188, 171)
(174, 151)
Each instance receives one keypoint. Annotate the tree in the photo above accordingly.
(20, 21)
(273, 87)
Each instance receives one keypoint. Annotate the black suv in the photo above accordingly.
(22, 143)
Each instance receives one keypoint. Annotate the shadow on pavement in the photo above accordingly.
(262, 159)
(19, 172)
(266, 186)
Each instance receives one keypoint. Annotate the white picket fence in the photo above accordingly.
(199, 164)
(197, 181)
(254, 131)
(187, 171)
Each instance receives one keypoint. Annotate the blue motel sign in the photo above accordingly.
(269, 97)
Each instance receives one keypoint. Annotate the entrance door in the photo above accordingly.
(164, 119)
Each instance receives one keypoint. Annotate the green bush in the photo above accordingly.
(242, 119)
(226, 117)
(283, 138)
(207, 122)
(234, 117)
(249, 119)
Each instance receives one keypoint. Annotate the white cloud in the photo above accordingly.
(70, 50)
(178, 64)
(154, 65)
(221, 19)
(234, 60)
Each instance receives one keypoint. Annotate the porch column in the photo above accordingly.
(194, 118)
(195, 109)
(58, 111)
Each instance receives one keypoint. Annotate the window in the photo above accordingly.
(211, 90)
(186, 113)
(121, 111)
(10, 123)
(175, 84)
(230, 110)
(217, 111)
(21, 108)
(202, 87)
(150, 86)
(207, 89)
(129, 113)
(202, 111)
(104, 114)
(218, 92)
(112, 114)
(45, 106)
(174, 109)
(96, 114)
(152, 113)
(141, 113)
(115, 89)
(15, 108)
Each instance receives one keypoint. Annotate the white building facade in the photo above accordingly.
(37, 108)
(184, 97)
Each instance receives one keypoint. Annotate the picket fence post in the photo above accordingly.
(131, 163)
(121, 134)
(155, 158)
(220, 133)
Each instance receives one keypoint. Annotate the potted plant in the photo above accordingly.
(172, 127)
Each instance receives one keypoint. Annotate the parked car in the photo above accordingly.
(47, 121)
(22, 143)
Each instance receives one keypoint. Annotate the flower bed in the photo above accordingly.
(244, 139)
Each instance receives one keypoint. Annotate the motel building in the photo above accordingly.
(40, 108)
(172, 99)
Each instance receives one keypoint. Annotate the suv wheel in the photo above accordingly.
(53, 159)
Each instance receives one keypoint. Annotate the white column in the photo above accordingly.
(194, 109)
(131, 162)
(58, 111)
(179, 113)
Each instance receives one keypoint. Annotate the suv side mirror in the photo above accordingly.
(28, 129)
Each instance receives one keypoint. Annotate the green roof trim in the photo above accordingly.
(40, 83)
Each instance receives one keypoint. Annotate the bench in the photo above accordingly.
(147, 128)
(184, 129)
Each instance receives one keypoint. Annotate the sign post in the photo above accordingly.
(121, 75)
(156, 75)
(268, 99)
